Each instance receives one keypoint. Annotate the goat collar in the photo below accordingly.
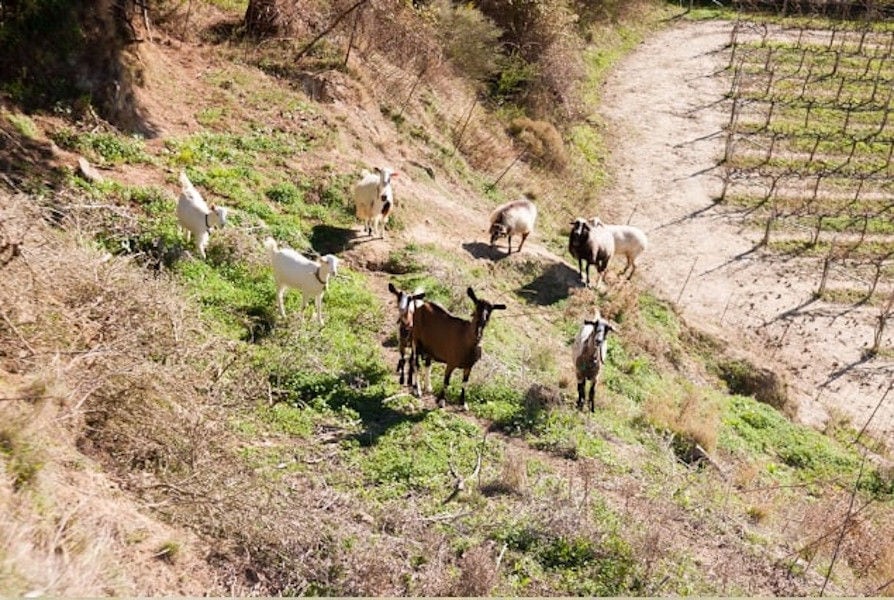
(317, 275)
(207, 224)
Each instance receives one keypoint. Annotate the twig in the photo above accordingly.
(500, 557)
(446, 516)
(875, 410)
(685, 283)
(459, 483)
(332, 26)
(847, 519)
(17, 332)
(704, 454)
(506, 170)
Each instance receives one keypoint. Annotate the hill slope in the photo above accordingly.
(236, 452)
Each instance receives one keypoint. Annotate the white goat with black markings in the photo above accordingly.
(590, 242)
(513, 218)
(589, 353)
(195, 216)
(407, 304)
(293, 270)
(374, 199)
(630, 242)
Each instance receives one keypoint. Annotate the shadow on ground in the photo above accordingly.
(482, 250)
(327, 239)
(552, 285)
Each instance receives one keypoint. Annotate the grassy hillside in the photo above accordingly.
(164, 431)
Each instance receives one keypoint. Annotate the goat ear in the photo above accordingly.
(471, 294)
(498, 307)
(392, 289)
(377, 170)
(418, 296)
(395, 174)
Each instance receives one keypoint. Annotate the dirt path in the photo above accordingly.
(664, 108)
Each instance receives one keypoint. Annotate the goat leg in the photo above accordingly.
(448, 371)
(462, 395)
(400, 368)
(581, 386)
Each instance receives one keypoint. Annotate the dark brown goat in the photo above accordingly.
(590, 242)
(441, 337)
(406, 307)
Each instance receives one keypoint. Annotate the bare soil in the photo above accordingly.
(664, 109)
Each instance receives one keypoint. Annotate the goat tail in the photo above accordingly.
(271, 245)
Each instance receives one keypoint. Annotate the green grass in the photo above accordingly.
(23, 124)
(795, 453)
(104, 148)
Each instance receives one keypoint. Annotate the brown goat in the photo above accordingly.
(442, 337)
(406, 307)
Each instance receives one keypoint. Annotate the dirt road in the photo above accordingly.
(664, 109)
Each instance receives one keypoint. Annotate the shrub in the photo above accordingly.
(546, 43)
(470, 39)
(541, 141)
(763, 384)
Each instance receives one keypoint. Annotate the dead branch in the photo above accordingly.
(332, 26)
(459, 482)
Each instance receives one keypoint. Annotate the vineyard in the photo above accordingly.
(809, 151)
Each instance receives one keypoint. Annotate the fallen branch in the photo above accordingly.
(459, 482)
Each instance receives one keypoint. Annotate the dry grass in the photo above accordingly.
(866, 550)
(682, 408)
(541, 141)
(478, 572)
(513, 477)
(82, 336)
(109, 368)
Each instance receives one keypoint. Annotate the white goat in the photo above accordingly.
(374, 199)
(311, 278)
(630, 241)
(194, 215)
(516, 217)
(589, 353)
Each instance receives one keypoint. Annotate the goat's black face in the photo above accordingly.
(580, 230)
(497, 230)
(483, 310)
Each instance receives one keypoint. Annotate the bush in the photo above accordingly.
(470, 39)
(763, 384)
(546, 63)
(542, 142)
